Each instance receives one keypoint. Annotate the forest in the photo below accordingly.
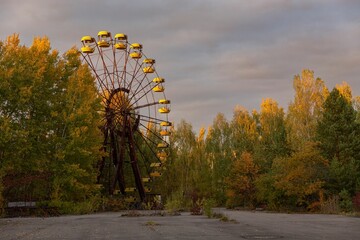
(302, 158)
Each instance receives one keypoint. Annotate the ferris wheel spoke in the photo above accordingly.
(147, 139)
(152, 152)
(144, 156)
(155, 134)
(101, 84)
(150, 119)
(121, 67)
(138, 86)
(144, 94)
(137, 68)
(108, 79)
(145, 105)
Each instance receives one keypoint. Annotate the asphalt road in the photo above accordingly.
(245, 225)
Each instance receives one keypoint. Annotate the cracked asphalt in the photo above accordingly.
(243, 225)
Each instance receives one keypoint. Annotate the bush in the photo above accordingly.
(196, 208)
(88, 206)
(356, 202)
(345, 203)
(330, 206)
(175, 202)
(208, 205)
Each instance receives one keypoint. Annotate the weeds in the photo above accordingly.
(151, 223)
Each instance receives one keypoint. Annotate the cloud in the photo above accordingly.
(213, 54)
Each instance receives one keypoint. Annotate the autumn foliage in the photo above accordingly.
(305, 157)
(49, 139)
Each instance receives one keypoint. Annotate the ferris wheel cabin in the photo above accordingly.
(87, 41)
(104, 38)
(120, 41)
(136, 49)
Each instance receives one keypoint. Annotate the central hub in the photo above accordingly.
(120, 114)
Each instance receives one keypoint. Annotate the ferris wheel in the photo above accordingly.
(135, 120)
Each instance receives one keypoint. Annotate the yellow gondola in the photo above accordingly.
(136, 55)
(147, 189)
(149, 61)
(164, 110)
(137, 46)
(162, 145)
(166, 124)
(120, 41)
(158, 89)
(155, 164)
(148, 69)
(120, 36)
(87, 49)
(158, 80)
(155, 174)
(161, 154)
(130, 189)
(164, 101)
(120, 46)
(87, 40)
(165, 133)
(146, 180)
(104, 38)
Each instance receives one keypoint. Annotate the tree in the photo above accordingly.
(244, 133)
(304, 111)
(345, 91)
(78, 137)
(272, 131)
(178, 179)
(301, 176)
(48, 120)
(339, 136)
(219, 155)
(202, 170)
(357, 108)
(241, 190)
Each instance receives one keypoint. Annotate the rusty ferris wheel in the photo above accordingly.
(135, 120)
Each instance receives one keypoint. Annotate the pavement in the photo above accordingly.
(241, 225)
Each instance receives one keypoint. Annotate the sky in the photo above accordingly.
(214, 54)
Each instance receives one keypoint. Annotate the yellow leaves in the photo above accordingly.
(13, 41)
(345, 90)
(79, 131)
(41, 45)
(244, 125)
(25, 92)
(201, 136)
(271, 116)
(210, 133)
(241, 180)
(270, 106)
(303, 112)
(301, 174)
(72, 57)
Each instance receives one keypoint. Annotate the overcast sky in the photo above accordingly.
(214, 54)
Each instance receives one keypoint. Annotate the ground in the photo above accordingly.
(243, 225)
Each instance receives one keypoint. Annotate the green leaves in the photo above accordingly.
(339, 136)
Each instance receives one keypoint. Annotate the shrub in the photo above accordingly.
(208, 204)
(345, 203)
